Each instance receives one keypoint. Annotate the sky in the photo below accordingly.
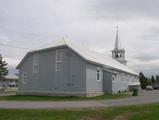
(34, 23)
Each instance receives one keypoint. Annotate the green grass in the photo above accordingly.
(141, 112)
(51, 98)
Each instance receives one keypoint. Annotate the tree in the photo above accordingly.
(152, 79)
(157, 78)
(3, 68)
(143, 80)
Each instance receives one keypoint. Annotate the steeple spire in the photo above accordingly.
(117, 42)
(118, 53)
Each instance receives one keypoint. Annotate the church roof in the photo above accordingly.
(87, 54)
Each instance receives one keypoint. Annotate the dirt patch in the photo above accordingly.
(91, 118)
(119, 117)
(122, 116)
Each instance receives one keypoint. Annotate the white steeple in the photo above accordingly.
(118, 53)
(117, 42)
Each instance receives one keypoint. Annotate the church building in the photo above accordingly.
(65, 68)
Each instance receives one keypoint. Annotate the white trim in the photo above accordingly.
(24, 78)
(35, 63)
(112, 72)
(98, 74)
(113, 77)
(59, 61)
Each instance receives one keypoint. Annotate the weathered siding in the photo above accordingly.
(75, 72)
(121, 82)
(26, 68)
(78, 77)
(68, 81)
(94, 86)
(107, 82)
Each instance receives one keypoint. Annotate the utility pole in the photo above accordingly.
(0, 57)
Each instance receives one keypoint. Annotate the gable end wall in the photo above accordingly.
(69, 81)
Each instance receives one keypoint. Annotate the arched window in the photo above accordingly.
(116, 55)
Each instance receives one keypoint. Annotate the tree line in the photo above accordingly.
(144, 81)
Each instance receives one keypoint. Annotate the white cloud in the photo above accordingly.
(32, 23)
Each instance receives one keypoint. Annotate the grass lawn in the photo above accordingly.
(51, 98)
(141, 112)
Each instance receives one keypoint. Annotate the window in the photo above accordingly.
(35, 63)
(58, 66)
(116, 55)
(59, 59)
(24, 79)
(98, 75)
(113, 77)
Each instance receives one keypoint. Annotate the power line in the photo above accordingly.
(13, 46)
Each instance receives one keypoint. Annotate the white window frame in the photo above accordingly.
(98, 74)
(113, 77)
(36, 63)
(59, 59)
(24, 79)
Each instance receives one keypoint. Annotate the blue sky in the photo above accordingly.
(33, 23)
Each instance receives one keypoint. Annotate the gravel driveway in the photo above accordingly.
(143, 98)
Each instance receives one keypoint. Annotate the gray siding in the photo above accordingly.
(92, 84)
(26, 68)
(78, 77)
(70, 79)
(75, 71)
(107, 82)
(120, 83)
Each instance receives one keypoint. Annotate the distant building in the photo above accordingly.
(8, 81)
(156, 85)
(65, 69)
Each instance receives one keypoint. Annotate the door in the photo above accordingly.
(107, 82)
